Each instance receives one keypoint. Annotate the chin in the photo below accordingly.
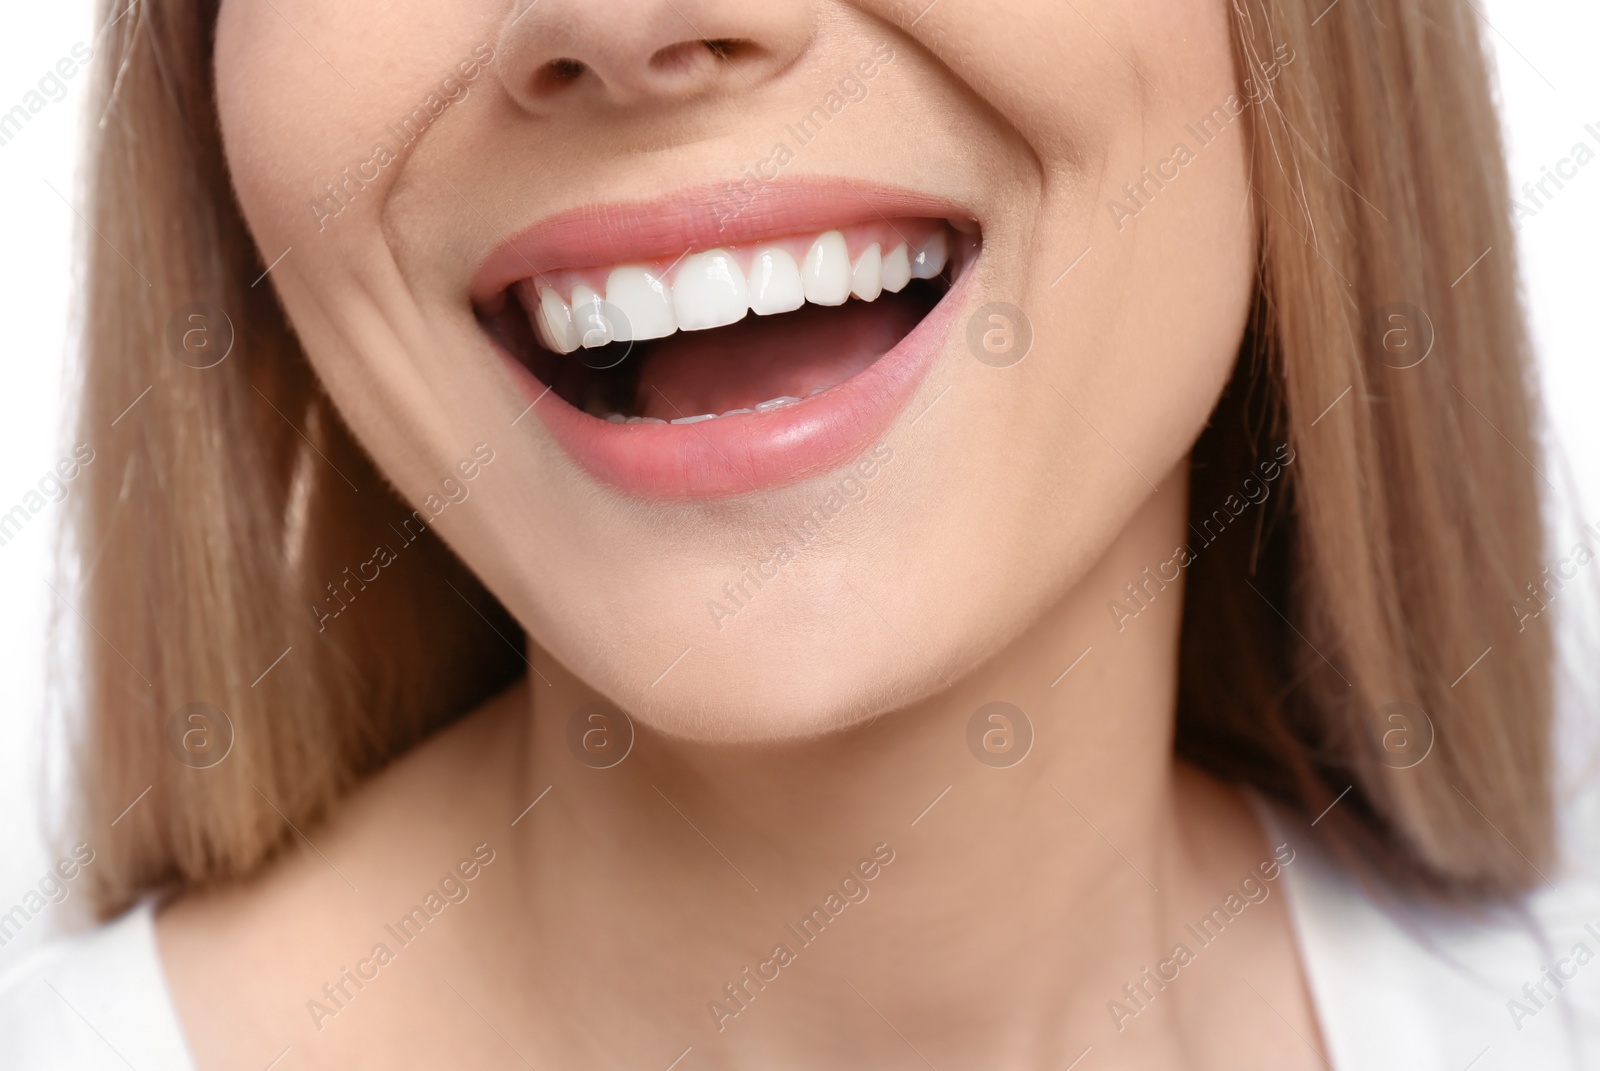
(746, 696)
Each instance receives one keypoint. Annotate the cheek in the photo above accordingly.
(1131, 251)
(1155, 311)
(310, 96)
(307, 90)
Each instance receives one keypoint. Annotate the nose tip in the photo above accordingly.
(633, 53)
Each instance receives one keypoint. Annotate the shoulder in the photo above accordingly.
(94, 1000)
(1398, 984)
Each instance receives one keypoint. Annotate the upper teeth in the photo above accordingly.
(710, 289)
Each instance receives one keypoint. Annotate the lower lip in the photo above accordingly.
(756, 452)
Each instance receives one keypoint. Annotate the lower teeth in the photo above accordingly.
(764, 407)
(776, 403)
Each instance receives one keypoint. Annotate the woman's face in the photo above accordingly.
(471, 199)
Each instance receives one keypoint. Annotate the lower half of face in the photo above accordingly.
(817, 348)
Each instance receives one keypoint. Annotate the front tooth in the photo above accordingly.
(866, 278)
(775, 284)
(826, 272)
(642, 302)
(709, 291)
(589, 318)
(695, 419)
(930, 257)
(555, 320)
(896, 269)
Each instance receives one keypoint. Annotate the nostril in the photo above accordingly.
(686, 57)
(558, 73)
(679, 59)
(726, 47)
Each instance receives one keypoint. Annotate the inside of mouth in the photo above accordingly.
(758, 364)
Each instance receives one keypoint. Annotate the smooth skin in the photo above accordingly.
(774, 754)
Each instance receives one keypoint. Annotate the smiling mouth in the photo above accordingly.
(739, 330)
(676, 352)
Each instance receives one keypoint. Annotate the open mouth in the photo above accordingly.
(736, 365)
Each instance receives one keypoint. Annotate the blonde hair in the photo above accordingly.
(1382, 568)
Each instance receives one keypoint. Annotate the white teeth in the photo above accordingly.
(896, 270)
(643, 302)
(590, 319)
(866, 278)
(765, 407)
(555, 322)
(776, 403)
(826, 272)
(775, 284)
(930, 257)
(709, 291)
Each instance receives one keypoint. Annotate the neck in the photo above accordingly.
(743, 892)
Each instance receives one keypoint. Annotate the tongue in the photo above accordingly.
(765, 357)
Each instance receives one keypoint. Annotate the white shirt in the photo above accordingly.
(1399, 986)
(93, 1001)
(1396, 988)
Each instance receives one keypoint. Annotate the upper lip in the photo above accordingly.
(696, 218)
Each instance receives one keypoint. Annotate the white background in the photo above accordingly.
(1550, 87)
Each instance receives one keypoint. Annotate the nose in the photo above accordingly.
(555, 54)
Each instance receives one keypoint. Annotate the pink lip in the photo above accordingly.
(738, 454)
